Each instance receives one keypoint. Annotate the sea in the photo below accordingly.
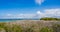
(10, 20)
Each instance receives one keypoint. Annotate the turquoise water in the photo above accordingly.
(8, 20)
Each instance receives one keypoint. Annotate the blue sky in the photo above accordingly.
(24, 8)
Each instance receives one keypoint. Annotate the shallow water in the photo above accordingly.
(8, 20)
(11, 20)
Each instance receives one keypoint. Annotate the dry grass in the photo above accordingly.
(31, 25)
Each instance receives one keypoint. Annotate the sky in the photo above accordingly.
(29, 8)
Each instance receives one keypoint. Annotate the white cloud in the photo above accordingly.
(53, 12)
(19, 16)
(50, 13)
(9, 15)
(26, 15)
(39, 14)
(39, 2)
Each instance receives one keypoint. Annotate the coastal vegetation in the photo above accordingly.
(30, 26)
(46, 29)
(46, 18)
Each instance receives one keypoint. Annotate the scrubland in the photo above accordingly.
(30, 26)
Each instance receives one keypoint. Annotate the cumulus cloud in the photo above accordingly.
(9, 15)
(38, 14)
(39, 2)
(50, 13)
(26, 15)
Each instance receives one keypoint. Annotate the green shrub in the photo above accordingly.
(29, 30)
(2, 25)
(46, 29)
(47, 18)
(8, 28)
(56, 27)
(14, 28)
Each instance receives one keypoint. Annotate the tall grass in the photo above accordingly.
(30, 27)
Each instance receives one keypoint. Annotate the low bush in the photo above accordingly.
(46, 29)
(56, 27)
(49, 18)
